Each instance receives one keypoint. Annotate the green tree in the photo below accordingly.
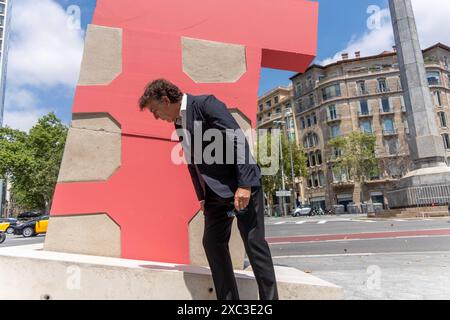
(31, 161)
(357, 155)
(269, 161)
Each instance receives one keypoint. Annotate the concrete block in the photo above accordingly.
(93, 150)
(30, 273)
(102, 57)
(196, 251)
(213, 62)
(92, 234)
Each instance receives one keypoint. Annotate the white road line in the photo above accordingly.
(322, 222)
(280, 222)
(360, 254)
(300, 222)
(399, 220)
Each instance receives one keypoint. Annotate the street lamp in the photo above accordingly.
(285, 124)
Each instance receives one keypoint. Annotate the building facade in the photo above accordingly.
(361, 94)
(275, 112)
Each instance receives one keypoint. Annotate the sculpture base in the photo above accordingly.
(28, 272)
(422, 187)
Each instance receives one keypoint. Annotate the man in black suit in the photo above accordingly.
(227, 187)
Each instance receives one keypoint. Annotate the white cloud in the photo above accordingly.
(44, 50)
(432, 23)
(45, 54)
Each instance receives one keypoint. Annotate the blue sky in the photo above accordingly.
(43, 80)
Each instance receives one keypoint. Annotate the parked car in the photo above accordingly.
(301, 211)
(29, 215)
(7, 225)
(33, 227)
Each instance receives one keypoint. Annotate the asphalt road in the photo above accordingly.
(20, 240)
(369, 258)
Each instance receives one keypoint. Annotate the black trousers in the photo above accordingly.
(215, 242)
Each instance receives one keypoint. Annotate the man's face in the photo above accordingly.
(163, 109)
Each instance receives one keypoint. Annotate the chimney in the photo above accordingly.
(358, 54)
(345, 56)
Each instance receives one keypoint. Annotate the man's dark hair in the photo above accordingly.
(155, 90)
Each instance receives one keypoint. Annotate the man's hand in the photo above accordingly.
(242, 197)
(202, 205)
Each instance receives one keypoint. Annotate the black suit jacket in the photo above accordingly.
(237, 168)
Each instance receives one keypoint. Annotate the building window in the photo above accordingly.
(321, 178)
(446, 139)
(299, 106)
(259, 119)
(331, 92)
(302, 122)
(332, 114)
(437, 98)
(385, 105)
(388, 125)
(434, 78)
(442, 119)
(340, 174)
(366, 126)
(310, 183)
(278, 110)
(269, 103)
(310, 140)
(316, 180)
(298, 88)
(382, 85)
(260, 107)
(362, 89)
(2, 8)
(308, 121)
(314, 119)
(335, 131)
(311, 100)
(312, 156)
(319, 157)
(364, 107)
(391, 146)
(277, 99)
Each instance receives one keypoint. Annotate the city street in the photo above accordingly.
(369, 258)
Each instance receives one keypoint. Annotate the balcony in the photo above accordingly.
(361, 93)
(390, 132)
(383, 89)
(364, 114)
(386, 112)
(333, 118)
(343, 184)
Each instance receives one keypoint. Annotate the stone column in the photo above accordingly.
(429, 182)
(426, 147)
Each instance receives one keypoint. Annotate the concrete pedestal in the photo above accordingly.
(28, 272)
(422, 187)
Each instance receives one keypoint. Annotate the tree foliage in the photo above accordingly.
(31, 161)
(357, 155)
(268, 157)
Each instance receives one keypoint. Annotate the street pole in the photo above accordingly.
(282, 177)
(291, 160)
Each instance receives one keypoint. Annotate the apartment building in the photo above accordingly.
(362, 94)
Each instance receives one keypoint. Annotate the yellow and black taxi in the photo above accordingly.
(7, 225)
(33, 227)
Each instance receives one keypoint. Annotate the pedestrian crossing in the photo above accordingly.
(278, 222)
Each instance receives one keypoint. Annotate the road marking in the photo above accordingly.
(399, 220)
(300, 222)
(359, 254)
(280, 222)
(322, 222)
(358, 236)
